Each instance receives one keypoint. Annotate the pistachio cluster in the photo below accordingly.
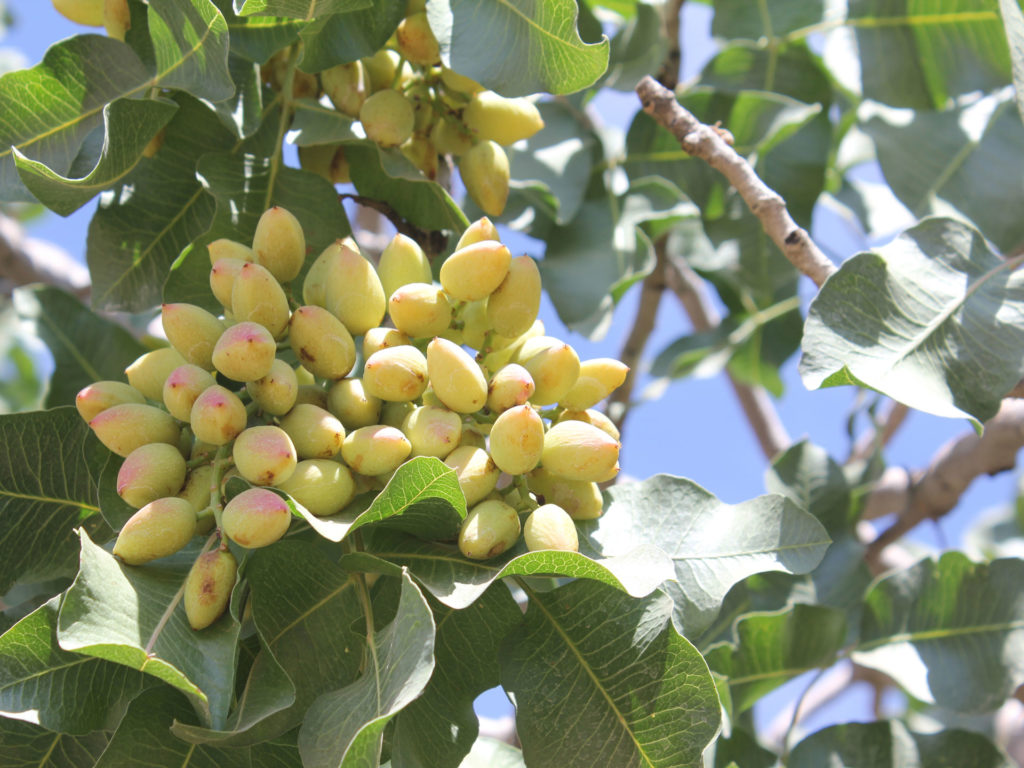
(269, 391)
(404, 97)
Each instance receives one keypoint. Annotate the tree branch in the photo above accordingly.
(25, 260)
(937, 489)
(668, 75)
(757, 406)
(711, 146)
(879, 437)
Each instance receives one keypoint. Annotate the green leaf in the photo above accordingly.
(638, 693)
(592, 260)
(946, 631)
(422, 498)
(55, 105)
(457, 581)
(713, 545)
(386, 174)
(815, 482)
(638, 48)
(61, 691)
(143, 224)
(300, 9)
(772, 20)
(741, 749)
(115, 510)
(790, 70)
(25, 745)
(773, 648)
(85, 347)
(540, 47)
(144, 737)
(940, 48)
(132, 615)
(439, 728)
(309, 619)
(46, 491)
(257, 38)
(344, 727)
(345, 37)
(558, 159)
(190, 41)
(315, 123)
(888, 744)
(933, 319)
(1013, 23)
(129, 125)
(243, 112)
(957, 162)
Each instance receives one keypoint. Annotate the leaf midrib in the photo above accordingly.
(939, 633)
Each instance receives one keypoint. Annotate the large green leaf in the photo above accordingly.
(815, 481)
(948, 631)
(540, 47)
(924, 53)
(132, 615)
(457, 581)
(638, 47)
(773, 648)
(345, 37)
(85, 346)
(129, 125)
(713, 545)
(422, 498)
(47, 463)
(741, 749)
(599, 678)
(770, 20)
(934, 320)
(591, 261)
(25, 745)
(440, 727)
(1013, 22)
(888, 744)
(66, 692)
(309, 618)
(144, 737)
(256, 38)
(299, 9)
(962, 161)
(143, 224)
(345, 727)
(56, 105)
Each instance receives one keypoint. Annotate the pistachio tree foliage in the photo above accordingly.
(359, 631)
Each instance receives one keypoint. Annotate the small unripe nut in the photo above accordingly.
(322, 342)
(160, 528)
(255, 518)
(322, 486)
(264, 455)
(490, 528)
(316, 432)
(550, 527)
(476, 470)
(95, 398)
(208, 587)
(375, 450)
(183, 386)
(396, 373)
(218, 416)
(579, 451)
(149, 371)
(475, 271)
(517, 440)
(245, 351)
(150, 472)
(455, 377)
(123, 428)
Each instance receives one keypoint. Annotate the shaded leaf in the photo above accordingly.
(741, 749)
(61, 691)
(190, 42)
(85, 346)
(457, 581)
(439, 729)
(1013, 23)
(143, 224)
(422, 498)
(941, 48)
(639, 693)
(256, 38)
(344, 727)
(638, 47)
(558, 159)
(309, 620)
(541, 49)
(243, 112)
(25, 745)
(344, 37)
(132, 615)
(713, 545)
(128, 126)
(933, 319)
(773, 20)
(948, 630)
(772, 648)
(46, 491)
(299, 9)
(964, 162)
(888, 744)
(814, 481)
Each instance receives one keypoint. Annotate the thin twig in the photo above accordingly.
(757, 406)
(938, 489)
(643, 325)
(431, 241)
(668, 75)
(710, 145)
(879, 437)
